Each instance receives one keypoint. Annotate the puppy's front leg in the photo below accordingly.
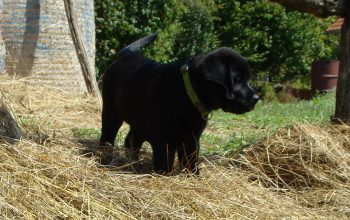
(111, 123)
(163, 158)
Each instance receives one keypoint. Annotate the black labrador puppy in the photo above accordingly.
(168, 104)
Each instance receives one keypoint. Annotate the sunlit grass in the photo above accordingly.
(228, 132)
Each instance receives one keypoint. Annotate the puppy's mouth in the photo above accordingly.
(240, 110)
(239, 107)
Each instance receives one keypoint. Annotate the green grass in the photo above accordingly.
(276, 115)
(86, 133)
(29, 123)
(227, 133)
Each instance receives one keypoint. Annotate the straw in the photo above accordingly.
(301, 172)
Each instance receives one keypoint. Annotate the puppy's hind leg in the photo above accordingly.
(132, 144)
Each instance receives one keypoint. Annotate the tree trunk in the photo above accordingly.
(89, 77)
(342, 110)
(321, 8)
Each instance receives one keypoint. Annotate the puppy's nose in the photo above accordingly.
(255, 98)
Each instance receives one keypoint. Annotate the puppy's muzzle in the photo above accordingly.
(255, 99)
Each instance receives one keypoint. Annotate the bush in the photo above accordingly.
(266, 91)
(185, 28)
(279, 45)
(197, 32)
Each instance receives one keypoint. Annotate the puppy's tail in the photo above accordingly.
(138, 45)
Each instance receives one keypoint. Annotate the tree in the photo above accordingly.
(326, 8)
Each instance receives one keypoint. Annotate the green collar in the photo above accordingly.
(192, 94)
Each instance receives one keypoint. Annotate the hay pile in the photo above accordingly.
(300, 173)
(301, 157)
(306, 161)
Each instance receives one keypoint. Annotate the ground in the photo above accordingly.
(282, 161)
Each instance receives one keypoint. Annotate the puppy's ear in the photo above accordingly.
(214, 69)
(217, 68)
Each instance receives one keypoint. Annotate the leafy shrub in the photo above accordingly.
(280, 45)
(197, 30)
(185, 28)
(266, 91)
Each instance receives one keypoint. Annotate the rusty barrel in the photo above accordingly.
(324, 75)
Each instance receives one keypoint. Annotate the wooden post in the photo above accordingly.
(342, 110)
(89, 77)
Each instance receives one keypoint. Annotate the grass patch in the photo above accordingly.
(277, 115)
(86, 133)
(29, 123)
(228, 132)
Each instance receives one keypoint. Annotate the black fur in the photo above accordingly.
(152, 99)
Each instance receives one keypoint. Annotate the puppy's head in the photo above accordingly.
(224, 85)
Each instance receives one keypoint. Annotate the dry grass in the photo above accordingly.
(300, 173)
(308, 162)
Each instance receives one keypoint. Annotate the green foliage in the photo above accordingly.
(266, 91)
(280, 45)
(184, 28)
(110, 28)
(119, 23)
(196, 33)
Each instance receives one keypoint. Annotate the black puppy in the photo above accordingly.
(168, 104)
